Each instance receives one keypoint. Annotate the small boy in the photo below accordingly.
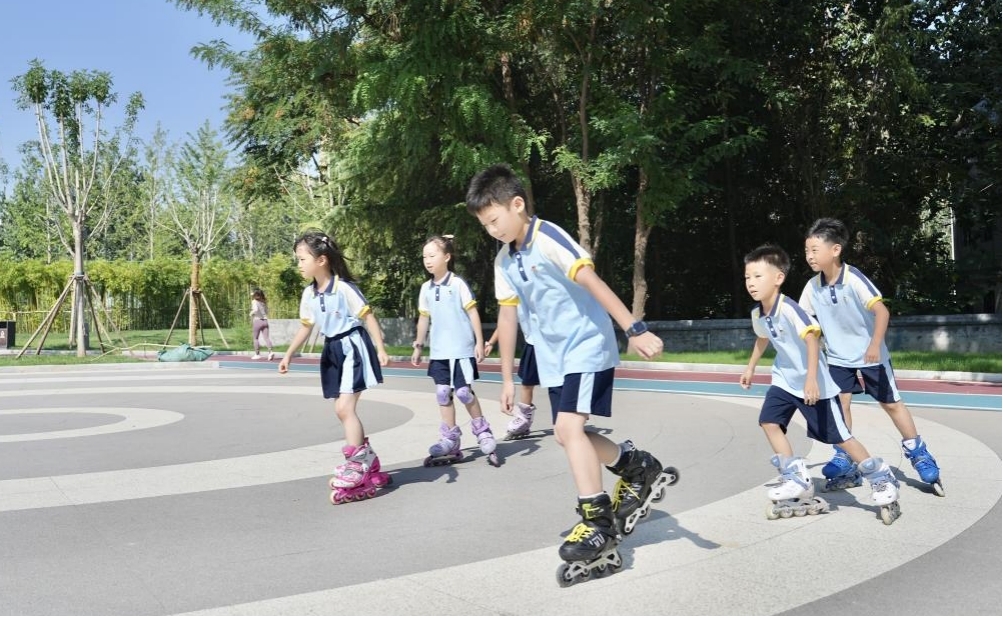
(552, 278)
(800, 381)
(854, 320)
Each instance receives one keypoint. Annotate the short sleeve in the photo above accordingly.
(306, 306)
(805, 300)
(466, 296)
(862, 287)
(562, 250)
(423, 299)
(357, 304)
(503, 291)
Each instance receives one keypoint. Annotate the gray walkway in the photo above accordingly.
(175, 489)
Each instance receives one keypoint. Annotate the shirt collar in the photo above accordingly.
(534, 225)
(445, 280)
(330, 286)
(776, 308)
(839, 279)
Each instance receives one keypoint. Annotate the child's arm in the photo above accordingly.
(646, 344)
(881, 318)
(475, 322)
(376, 333)
(811, 391)
(419, 340)
(298, 339)
(506, 335)
(757, 353)
(490, 343)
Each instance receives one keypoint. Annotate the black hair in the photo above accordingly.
(259, 295)
(321, 244)
(497, 184)
(832, 231)
(771, 254)
(444, 242)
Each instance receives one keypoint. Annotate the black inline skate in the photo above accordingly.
(642, 481)
(590, 551)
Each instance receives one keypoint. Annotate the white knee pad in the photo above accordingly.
(443, 394)
(465, 395)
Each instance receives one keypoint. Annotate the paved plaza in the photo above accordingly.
(202, 488)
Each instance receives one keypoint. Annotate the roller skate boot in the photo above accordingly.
(840, 472)
(795, 495)
(884, 488)
(485, 439)
(447, 449)
(519, 426)
(642, 481)
(590, 550)
(356, 479)
(925, 464)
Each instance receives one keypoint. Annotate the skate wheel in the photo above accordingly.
(673, 475)
(938, 488)
(493, 460)
(371, 492)
(566, 576)
(772, 512)
(786, 512)
(890, 512)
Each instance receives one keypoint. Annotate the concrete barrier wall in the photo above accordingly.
(951, 333)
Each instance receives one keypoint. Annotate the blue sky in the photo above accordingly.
(143, 44)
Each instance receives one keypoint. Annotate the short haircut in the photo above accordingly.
(772, 255)
(831, 231)
(497, 184)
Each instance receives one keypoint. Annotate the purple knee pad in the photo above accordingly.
(443, 394)
(465, 395)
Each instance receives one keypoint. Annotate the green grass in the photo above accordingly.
(239, 339)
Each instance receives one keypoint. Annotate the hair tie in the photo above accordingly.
(448, 236)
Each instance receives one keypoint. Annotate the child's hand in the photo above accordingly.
(416, 356)
(507, 398)
(811, 392)
(873, 353)
(382, 356)
(478, 353)
(746, 379)
(647, 344)
(487, 349)
(284, 364)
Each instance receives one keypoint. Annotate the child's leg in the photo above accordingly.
(585, 452)
(902, 418)
(778, 439)
(526, 394)
(844, 400)
(344, 407)
(268, 339)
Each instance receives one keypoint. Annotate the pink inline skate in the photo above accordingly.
(359, 477)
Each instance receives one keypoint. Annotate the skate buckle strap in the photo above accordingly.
(589, 510)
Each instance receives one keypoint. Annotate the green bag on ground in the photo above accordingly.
(185, 352)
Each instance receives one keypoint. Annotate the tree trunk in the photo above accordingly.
(583, 201)
(79, 316)
(193, 301)
(642, 231)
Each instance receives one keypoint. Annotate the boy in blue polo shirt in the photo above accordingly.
(541, 269)
(854, 320)
(800, 381)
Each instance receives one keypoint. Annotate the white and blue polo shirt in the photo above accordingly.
(446, 302)
(571, 331)
(843, 309)
(337, 309)
(786, 326)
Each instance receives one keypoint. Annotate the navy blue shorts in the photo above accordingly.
(455, 372)
(825, 418)
(528, 375)
(349, 364)
(586, 393)
(879, 381)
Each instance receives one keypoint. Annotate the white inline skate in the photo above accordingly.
(795, 495)
(485, 439)
(519, 426)
(884, 488)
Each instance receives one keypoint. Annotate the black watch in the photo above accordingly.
(636, 329)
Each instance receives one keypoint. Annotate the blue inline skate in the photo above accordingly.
(841, 472)
(925, 464)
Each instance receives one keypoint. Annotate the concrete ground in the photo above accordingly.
(202, 488)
